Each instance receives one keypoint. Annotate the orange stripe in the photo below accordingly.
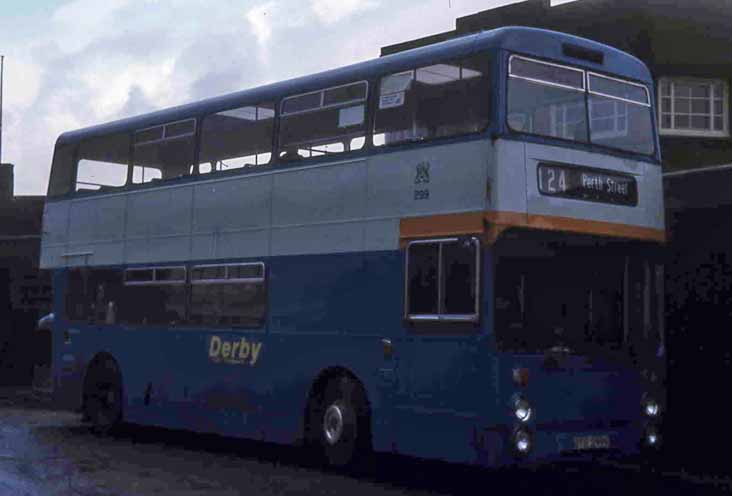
(475, 223)
(441, 225)
(596, 227)
(556, 223)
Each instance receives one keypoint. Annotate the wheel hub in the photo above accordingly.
(333, 424)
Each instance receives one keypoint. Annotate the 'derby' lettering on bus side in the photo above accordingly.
(240, 352)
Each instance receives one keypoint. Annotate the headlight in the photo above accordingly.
(522, 409)
(522, 441)
(652, 437)
(651, 407)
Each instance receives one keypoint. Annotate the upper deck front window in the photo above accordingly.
(569, 103)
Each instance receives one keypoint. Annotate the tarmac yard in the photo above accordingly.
(44, 452)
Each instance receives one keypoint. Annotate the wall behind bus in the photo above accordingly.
(25, 292)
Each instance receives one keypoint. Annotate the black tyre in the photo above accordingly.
(103, 396)
(339, 421)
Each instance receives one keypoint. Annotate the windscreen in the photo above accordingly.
(565, 102)
(582, 299)
(569, 303)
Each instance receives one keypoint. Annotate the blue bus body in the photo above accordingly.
(333, 235)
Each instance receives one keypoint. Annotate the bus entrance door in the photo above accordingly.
(443, 372)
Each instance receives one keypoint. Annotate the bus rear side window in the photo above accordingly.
(436, 101)
(94, 295)
(103, 163)
(331, 120)
(236, 138)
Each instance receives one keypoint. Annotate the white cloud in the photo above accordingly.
(260, 20)
(22, 81)
(331, 11)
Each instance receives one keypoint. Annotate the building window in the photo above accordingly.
(693, 107)
(443, 280)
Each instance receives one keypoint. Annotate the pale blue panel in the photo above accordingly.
(320, 194)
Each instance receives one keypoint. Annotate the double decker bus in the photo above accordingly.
(450, 253)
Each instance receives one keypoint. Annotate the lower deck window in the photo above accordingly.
(154, 296)
(228, 295)
(153, 304)
(149, 296)
(442, 279)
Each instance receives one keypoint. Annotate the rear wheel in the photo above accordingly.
(339, 418)
(103, 396)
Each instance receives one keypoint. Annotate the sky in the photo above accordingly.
(75, 63)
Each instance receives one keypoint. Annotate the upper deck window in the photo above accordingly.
(547, 74)
(565, 102)
(435, 101)
(236, 138)
(318, 123)
(102, 163)
(694, 107)
(164, 152)
(620, 114)
(547, 99)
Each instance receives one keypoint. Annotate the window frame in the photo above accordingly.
(695, 133)
(283, 114)
(154, 281)
(585, 82)
(226, 279)
(411, 68)
(164, 126)
(262, 281)
(590, 91)
(440, 317)
(200, 128)
(552, 64)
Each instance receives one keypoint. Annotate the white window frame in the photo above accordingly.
(441, 316)
(226, 279)
(582, 89)
(710, 133)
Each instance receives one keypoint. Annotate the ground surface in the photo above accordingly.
(50, 453)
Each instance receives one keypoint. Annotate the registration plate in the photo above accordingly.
(591, 442)
(584, 183)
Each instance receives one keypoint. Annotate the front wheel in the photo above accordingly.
(103, 396)
(341, 419)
